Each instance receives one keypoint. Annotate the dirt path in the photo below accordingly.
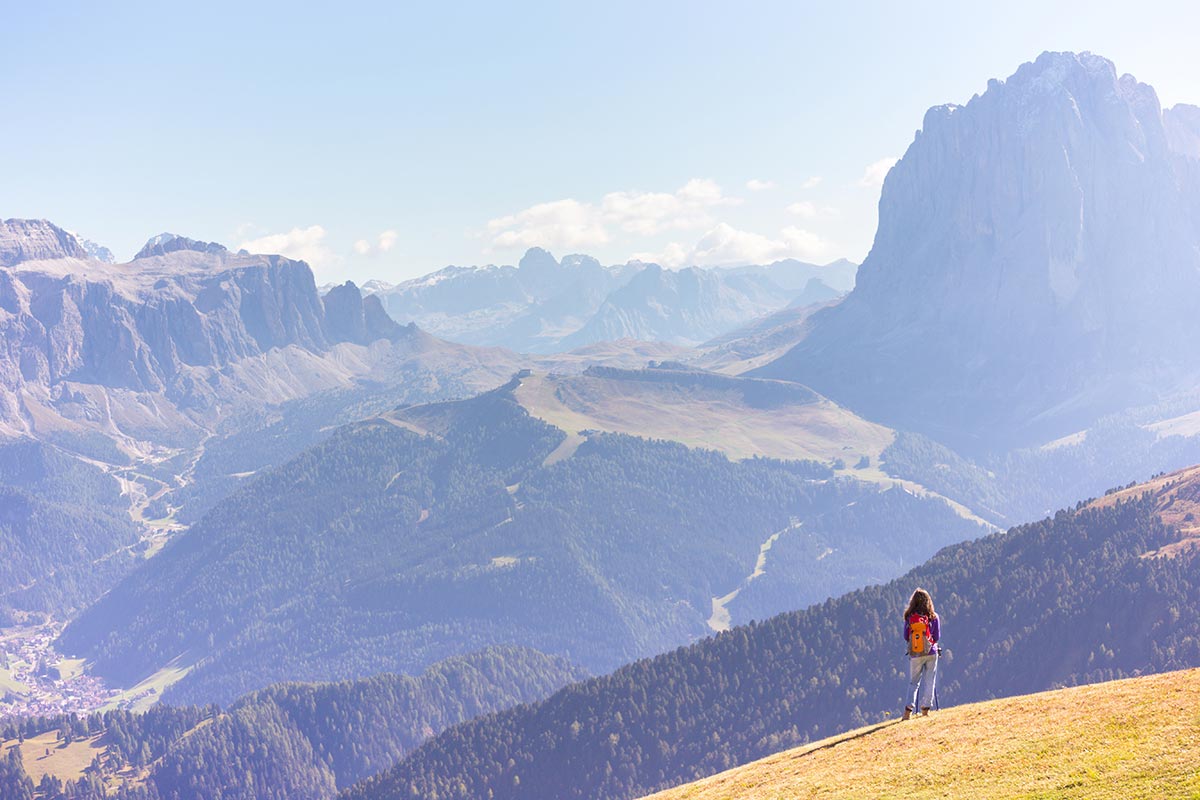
(721, 620)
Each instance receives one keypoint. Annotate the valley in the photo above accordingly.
(36, 680)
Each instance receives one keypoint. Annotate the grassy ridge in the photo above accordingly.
(1138, 737)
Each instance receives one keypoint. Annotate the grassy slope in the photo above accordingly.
(702, 418)
(716, 420)
(1177, 497)
(65, 762)
(1131, 738)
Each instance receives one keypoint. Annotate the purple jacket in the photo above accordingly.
(935, 634)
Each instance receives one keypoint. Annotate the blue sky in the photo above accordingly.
(383, 140)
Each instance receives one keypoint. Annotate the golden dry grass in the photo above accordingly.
(715, 420)
(66, 762)
(1177, 502)
(712, 419)
(1136, 738)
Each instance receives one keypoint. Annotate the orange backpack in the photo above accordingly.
(919, 643)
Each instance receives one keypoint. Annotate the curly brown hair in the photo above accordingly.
(920, 603)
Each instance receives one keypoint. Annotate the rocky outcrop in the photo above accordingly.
(176, 325)
(34, 240)
(165, 243)
(350, 317)
(1036, 265)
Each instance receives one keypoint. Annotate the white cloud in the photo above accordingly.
(724, 246)
(301, 244)
(873, 175)
(810, 210)
(756, 185)
(247, 229)
(647, 213)
(704, 192)
(386, 241)
(812, 182)
(573, 224)
(804, 244)
(558, 224)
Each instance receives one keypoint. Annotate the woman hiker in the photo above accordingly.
(922, 631)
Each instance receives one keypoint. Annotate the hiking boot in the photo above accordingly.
(924, 711)
(907, 713)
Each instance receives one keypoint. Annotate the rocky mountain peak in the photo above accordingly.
(36, 240)
(96, 251)
(536, 259)
(1035, 250)
(165, 243)
(351, 317)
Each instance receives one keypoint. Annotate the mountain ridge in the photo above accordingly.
(544, 305)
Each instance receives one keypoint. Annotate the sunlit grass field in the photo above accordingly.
(1135, 738)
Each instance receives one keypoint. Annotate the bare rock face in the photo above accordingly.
(1183, 129)
(1037, 264)
(35, 239)
(350, 317)
(175, 327)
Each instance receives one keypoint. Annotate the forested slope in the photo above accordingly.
(65, 530)
(289, 741)
(442, 529)
(1066, 600)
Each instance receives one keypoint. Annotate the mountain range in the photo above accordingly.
(126, 376)
(161, 348)
(544, 305)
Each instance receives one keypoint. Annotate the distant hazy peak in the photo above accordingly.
(536, 258)
(370, 287)
(578, 261)
(94, 250)
(165, 243)
(36, 240)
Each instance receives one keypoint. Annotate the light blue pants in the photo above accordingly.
(922, 677)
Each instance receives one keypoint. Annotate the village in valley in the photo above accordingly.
(35, 679)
